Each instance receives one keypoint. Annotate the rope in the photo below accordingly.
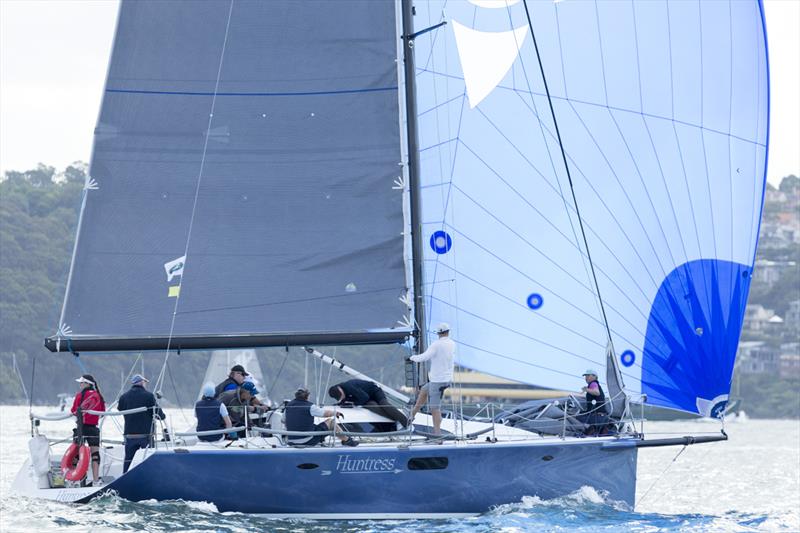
(33, 378)
(569, 176)
(662, 473)
(21, 381)
(278, 374)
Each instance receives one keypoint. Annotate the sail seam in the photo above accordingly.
(613, 108)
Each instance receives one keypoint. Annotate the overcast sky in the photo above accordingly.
(54, 54)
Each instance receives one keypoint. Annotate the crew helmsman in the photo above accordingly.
(441, 354)
(211, 414)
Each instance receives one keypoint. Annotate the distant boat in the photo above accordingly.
(570, 185)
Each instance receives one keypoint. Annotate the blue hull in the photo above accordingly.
(425, 480)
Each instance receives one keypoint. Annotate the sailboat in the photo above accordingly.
(567, 184)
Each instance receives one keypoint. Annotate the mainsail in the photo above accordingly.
(245, 198)
(661, 109)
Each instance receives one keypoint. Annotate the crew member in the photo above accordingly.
(138, 426)
(300, 415)
(211, 414)
(89, 398)
(368, 394)
(441, 354)
(233, 381)
(594, 414)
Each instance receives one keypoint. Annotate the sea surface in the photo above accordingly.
(749, 483)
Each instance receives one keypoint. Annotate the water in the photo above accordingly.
(750, 483)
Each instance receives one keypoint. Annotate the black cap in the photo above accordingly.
(239, 368)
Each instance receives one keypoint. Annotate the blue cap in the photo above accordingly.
(208, 390)
(251, 387)
(138, 378)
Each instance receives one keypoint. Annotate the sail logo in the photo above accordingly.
(174, 268)
(487, 56)
(346, 464)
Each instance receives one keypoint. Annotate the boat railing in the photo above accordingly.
(488, 413)
(210, 432)
(51, 416)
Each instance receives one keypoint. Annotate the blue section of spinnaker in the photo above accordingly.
(693, 332)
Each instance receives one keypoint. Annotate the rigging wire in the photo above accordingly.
(33, 381)
(278, 374)
(19, 375)
(160, 379)
(662, 474)
(569, 176)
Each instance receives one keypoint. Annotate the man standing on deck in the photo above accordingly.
(138, 426)
(441, 354)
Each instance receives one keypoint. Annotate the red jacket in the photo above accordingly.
(91, 401)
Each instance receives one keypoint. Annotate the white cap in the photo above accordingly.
(208, 390)
(591, 372)
(84, 380)
(442, 328)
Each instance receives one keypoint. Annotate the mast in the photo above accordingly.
(413, 174)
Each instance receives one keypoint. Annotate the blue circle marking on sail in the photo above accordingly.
(628, 358)
(441, 242)
(535, 301)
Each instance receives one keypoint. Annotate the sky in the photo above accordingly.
(54, 55)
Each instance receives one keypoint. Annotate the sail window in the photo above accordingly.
(441, 242)
(427, 463)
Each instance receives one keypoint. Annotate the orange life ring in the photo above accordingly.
(77, 472)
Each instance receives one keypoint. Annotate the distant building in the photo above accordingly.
(790, 366)
(769, 272)
(756, 357)
(792, 320)
(757, 318)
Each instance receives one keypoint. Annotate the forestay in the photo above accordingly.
(244, 179)
(662, 111)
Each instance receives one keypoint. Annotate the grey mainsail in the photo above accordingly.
(239, 197)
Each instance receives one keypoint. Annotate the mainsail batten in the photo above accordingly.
(277, 169)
